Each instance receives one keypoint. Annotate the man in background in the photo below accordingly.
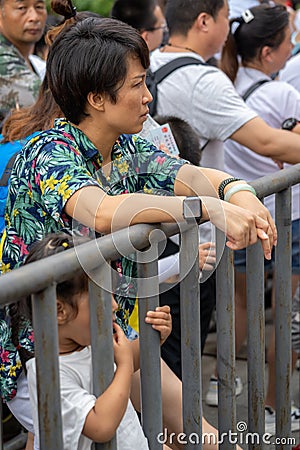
(22, 23)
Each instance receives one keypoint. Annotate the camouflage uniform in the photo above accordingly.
(18, 84)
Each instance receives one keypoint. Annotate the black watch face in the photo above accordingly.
(192, 208)
(289, 124)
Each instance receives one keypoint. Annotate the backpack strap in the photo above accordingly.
(164, 71)
(154, 78)
(7, 171)
(253, 88)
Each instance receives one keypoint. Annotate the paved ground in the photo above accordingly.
(208, 365)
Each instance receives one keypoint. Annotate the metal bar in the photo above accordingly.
(101, 335)
(283, 306)
(36, 276)
(277, 181)
(225, 344)
(47, 370)
(256, 343)
(151, 399)
(191, 337)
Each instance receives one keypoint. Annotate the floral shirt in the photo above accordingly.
(51, 167)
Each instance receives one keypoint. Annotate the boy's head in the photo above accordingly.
(146, 16)
(182, 14)
(186, 138)
(92, 57)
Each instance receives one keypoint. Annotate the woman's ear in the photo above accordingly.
(96, 101)
(62, 313)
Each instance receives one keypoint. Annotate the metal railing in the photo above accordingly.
(39, 280)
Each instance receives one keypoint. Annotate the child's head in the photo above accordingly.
(186, 138)
(67, 291)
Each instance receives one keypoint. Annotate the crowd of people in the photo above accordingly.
(71, 156)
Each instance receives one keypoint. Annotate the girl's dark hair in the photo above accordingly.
(267, 28)
(21, 312)
(92, 57)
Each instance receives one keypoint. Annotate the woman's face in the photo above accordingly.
(281, 54)
(130, 111)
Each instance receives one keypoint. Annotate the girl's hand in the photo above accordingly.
(207, 255)
(161, 321)
(122, 348)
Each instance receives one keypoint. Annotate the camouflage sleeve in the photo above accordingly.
(18, 84)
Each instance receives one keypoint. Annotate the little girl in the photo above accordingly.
(86, 418)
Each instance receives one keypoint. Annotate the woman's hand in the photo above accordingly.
(207, 255)
(122, 348)
(161, 321)
(252, 203)
(243, 227)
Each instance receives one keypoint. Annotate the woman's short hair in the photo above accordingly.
(92, 56)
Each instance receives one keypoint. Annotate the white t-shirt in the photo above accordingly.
(290, 73)
(274, 101)
(205, 97)
(77, 401)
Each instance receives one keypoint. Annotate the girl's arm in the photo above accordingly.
(103, 420)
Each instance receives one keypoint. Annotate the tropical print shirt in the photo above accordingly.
(50, 168)
(19, 85)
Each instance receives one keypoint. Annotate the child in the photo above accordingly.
(87, 418)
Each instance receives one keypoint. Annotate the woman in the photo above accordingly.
(85, 169)
(262, 41)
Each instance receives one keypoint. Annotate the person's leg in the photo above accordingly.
(171, 349)
(172, 406)
(30, 441)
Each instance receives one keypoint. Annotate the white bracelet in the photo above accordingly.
(236, 188)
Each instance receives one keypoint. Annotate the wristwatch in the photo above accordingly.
(192, 209)
(289, 124)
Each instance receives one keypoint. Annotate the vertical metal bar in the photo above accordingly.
(151, 399)
(283, 306)
(225, 343)
(256, 343)
(101, 335)
(47, 369)
(191, 338)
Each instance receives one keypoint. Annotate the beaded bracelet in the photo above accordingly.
(223, 184)
(238, 188)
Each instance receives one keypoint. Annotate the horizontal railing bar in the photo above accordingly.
(57, 268)
(35, 277)
(277, 181)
